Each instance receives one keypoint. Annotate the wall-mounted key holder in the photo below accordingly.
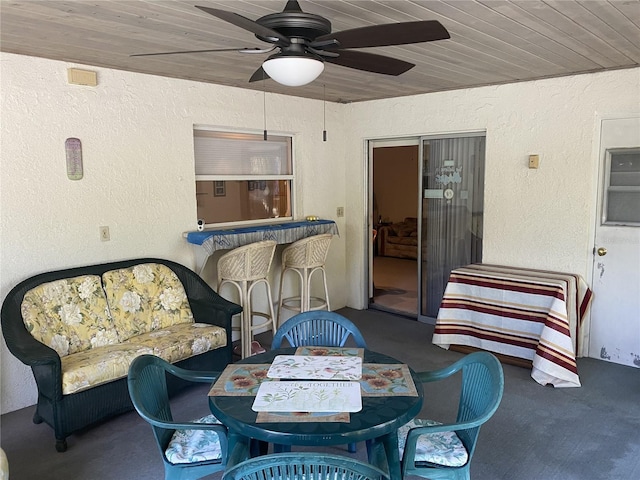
(73, 149)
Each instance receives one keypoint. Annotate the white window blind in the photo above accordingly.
(623, 189)
(224, 153)
(241, 177)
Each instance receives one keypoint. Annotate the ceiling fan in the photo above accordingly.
(305, 42)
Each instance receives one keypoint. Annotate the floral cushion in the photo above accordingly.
(441, 448)
(182, 341)
(145, 298)
(188, 446)
(96, 366)
(69, 315)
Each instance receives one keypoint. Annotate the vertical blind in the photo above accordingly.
(452, 229)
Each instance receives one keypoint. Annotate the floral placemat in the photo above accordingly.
(240, 380)
(330, 351)
(306, 367)
(377, 380)
(302, 417)
(308, 396)
(385, 380)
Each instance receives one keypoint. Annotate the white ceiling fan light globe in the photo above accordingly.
(293, 71)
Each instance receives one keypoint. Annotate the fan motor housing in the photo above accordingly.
(296, 24)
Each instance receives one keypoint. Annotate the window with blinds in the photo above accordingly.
(622, 187)
(242, 177)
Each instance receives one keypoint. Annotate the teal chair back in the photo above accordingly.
(480, 395)
(303, 466)
(147, 380)
(318, 328)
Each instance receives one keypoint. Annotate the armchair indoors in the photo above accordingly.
(399, 239)
(433, 450)
(190, 450)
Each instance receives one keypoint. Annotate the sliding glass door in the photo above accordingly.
(451, 213)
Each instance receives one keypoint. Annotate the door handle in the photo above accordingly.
(602, 251)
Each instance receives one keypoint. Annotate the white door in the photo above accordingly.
(615, 312)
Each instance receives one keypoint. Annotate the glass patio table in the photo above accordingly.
(381, 415)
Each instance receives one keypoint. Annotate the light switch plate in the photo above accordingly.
(104, 234)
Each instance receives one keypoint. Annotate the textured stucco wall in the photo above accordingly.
(138, 160)
(136, 133)
(540, 218)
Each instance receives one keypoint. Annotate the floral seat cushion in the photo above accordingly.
(189, 446)
(96, 366)
(69, 315)
(182, 341)
(440, 448)
(145, 298)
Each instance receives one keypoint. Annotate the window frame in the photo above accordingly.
(608, 188)
(248, 178)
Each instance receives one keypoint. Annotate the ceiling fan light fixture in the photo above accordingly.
(293, 71)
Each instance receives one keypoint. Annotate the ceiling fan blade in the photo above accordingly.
(258, 75)
(247, 24)
(385, 35)
(240, 50)
(323, 53)
(370, 62)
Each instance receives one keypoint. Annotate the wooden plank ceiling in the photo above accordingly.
(492, 41)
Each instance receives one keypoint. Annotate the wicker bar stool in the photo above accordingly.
(246, 267)
(305, 257)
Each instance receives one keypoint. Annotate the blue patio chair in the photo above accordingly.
(303, 466)
(190, 450)
(318, 328)
(433, 450)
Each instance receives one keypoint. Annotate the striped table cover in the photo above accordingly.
(523, 313)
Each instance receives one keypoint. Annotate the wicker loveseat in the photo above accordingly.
(399, 239)
(79, 330)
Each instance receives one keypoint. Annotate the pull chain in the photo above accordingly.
(264, 106)
(324, 113)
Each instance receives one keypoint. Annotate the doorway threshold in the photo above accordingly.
(393, 311)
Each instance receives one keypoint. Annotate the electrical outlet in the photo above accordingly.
(340, 211)
(104, 234)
